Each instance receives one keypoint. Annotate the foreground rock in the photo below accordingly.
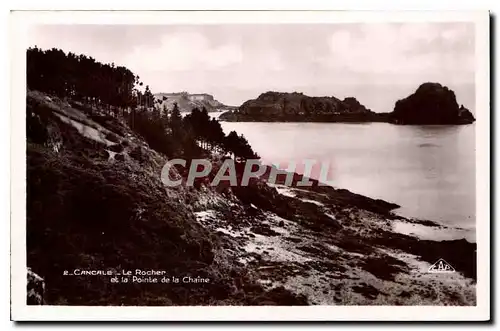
(297, 107)
(432, 103)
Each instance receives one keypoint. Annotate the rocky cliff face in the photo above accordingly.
(277, 106)
(432, 103)
(187, 102)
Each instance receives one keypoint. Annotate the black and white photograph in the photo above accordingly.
(264, 159)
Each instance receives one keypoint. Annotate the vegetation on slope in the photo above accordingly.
(95, 200)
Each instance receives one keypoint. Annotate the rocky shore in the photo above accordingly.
(350, 257)
(338, 247)
(95, 200)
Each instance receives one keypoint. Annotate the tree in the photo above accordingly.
(165, 110)
(231, 142)
(198, 121)
(148, 98)
(114, 88)
(176, 121)
(239, 146)
(215, 135)
(80, 77)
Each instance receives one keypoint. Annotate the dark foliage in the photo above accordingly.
(209, 132)
(79, 77)
(154, 132)
(239, 146)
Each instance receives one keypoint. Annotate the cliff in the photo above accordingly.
(187, 102)
(432, 103)
(297, 107)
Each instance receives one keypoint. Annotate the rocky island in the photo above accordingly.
(297, 107)
(432, 103)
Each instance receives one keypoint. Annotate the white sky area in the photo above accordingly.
(378, 63)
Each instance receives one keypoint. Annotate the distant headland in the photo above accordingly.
(187, 102)
(431, 103)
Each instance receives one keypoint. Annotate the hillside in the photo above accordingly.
(187, 102)
(297, 107)
(96, 201)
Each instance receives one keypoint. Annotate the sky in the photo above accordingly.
(378, 63)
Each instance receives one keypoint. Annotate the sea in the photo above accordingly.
(428, 170)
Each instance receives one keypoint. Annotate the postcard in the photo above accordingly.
(250, 166)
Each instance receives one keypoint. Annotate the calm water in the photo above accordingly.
(428, 170)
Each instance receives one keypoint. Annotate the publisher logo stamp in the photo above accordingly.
(441, 266)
